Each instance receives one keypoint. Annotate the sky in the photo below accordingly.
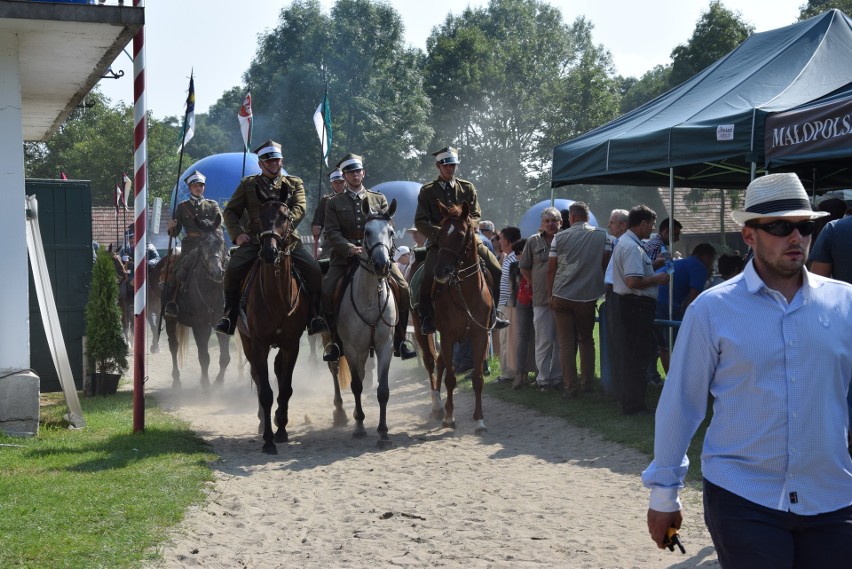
(220, 44)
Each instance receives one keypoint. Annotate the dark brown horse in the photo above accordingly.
(200, 303)
(276, 314)
(464, 307)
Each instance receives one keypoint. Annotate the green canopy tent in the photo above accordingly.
(709, 131)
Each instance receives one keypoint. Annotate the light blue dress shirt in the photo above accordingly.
(779, 375)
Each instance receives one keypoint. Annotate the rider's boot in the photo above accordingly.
(402, 348)
(500, 321)
(228, 323)
(332, 351)
(427, 325)
(171, 308)
(317, 323)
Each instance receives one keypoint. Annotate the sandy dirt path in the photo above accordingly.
(532, 492)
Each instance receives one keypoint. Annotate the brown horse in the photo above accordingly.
(276, 314)
(464, 307)
(428, 353)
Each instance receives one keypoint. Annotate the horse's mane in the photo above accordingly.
(454, 211)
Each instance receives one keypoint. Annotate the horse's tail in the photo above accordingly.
(183, 339)
(344, 375)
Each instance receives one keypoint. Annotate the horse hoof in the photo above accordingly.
(449, 424)
(340, 418)
(480, 430)
(384, 444)
(438, 414)
(176, 384)
(205, 384)
(270, 449)
(281, 437)
(155, 349)
(359, 433)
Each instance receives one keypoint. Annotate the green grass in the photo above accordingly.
(99, 496)
(596, 411)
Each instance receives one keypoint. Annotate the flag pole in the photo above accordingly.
(166, 293)
(140, 210)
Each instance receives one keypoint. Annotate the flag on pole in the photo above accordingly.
(62, 176)
(128, 186)
(322, 121)
(119, 199)
(189, 117)
(246, 118)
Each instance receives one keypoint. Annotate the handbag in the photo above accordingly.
(525, 295)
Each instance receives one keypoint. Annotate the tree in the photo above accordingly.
(651, 85)
(378, 106)
(816, 7)
(717, 32)
(96, 143)
(507, 83)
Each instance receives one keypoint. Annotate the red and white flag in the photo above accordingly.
(245, 118)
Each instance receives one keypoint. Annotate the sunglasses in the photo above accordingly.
(782, 228)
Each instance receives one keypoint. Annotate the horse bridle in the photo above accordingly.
(461, 273)
(370, 267)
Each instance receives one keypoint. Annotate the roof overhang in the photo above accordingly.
(64, 50)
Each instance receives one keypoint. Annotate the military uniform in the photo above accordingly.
(344, 230)
(319, 220)
(252, 192)
(427, 219)
(196, 216)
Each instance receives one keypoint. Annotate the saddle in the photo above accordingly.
(242, 319)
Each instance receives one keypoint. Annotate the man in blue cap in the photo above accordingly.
(253, 191)
(450, 191)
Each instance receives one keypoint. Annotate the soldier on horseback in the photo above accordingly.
(337, 185)
(344, 234)
(196, 216)
(450, 191)
(253, 191)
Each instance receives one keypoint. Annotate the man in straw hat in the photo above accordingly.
(450, 191)
(195, 216)
(254, 191)
(344, 234)
(774, 347)
(337, 185)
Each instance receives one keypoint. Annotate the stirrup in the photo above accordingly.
(404, 350)
(171, 309)
(317, 324)
(500, 323)
(223, 326)
(331, 353)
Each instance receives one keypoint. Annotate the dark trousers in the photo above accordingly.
(243, 257)
(575, 326)
(750, 536)
(614, 350)
(635, 329)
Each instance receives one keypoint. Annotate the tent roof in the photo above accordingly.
(710, 128)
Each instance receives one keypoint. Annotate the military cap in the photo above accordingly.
(447, 155)
(269, 150)
(195, 177)
(351, 162)
(335, 175)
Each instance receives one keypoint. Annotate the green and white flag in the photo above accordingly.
(322, 120)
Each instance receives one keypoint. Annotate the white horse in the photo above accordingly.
(367, 317)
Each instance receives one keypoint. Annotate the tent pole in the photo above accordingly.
(671, 252)
(722, 218)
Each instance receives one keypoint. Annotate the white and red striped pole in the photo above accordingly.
(140, 210)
